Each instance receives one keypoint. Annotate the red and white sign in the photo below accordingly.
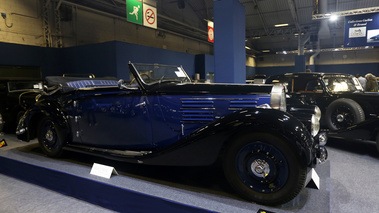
(211, 34)
(149, 16)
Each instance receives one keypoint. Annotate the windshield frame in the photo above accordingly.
(158, 73)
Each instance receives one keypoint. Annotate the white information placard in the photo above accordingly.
(103, 170)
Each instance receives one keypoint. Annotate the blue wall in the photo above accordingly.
(48, 59)
(104, 59)
(126, 52)
(274, 70)
(111, 59)
(353, 69)
(250, 72)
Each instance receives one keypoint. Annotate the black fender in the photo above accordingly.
(34, 114)
(205, 145)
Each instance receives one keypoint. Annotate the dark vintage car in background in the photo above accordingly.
(19, 86)
(347, 110)
(160, 117)
(340, 97)
(16, 96)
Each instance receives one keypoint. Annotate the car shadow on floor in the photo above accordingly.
(207, 179)
(354, 146)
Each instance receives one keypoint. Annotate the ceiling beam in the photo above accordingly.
(347, 13)
(293, 10)
(261, 17)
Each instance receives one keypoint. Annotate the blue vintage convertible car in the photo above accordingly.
(159, 117)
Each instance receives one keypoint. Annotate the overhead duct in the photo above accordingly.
(324, 31)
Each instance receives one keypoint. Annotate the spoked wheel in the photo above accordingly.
(343, 113)
(50, 137)
(264, 169)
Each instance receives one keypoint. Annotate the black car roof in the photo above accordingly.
(309, 74)
(316, 73)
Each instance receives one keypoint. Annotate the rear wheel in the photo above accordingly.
(343, 113)
(263, 168)
(50, 137)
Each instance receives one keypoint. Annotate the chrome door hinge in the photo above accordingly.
(77, 118)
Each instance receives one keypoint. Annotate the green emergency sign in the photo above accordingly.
(134, 11)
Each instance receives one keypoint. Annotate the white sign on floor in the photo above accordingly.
(103, 170)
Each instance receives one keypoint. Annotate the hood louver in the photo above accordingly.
(197, 110)
(203, 110)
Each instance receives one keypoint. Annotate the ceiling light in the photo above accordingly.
(281, 25)
(265, 51)
(285, 52)
(333, 17)
(248, 48)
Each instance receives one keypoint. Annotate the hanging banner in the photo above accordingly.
(362, 30)
(211, 32)
(134, 12)
(149, 16)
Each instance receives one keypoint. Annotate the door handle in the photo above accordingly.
(141, 104)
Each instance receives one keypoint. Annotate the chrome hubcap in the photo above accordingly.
(260, 168)
(49, 135)
(340, 118)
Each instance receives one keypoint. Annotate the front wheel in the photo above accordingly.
(263, 168)
(50, 137)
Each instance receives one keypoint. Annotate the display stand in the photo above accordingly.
(146, 188)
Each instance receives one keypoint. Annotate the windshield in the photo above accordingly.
(341, 83)
(157, 73)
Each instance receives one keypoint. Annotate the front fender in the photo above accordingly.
(204, 146)
(27, 128)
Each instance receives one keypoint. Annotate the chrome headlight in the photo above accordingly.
(315, 125)
(278, 98)
(317, 113)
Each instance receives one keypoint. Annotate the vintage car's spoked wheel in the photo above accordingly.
(342, 117)
(264, 168)
(50, 137)
(343, 113)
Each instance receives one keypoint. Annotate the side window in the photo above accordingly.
(313, 86)
(307, 85)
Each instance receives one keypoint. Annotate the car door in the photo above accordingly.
(118, 119)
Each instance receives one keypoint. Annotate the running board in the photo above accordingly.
(115, 152)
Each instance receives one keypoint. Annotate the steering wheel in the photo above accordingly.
(144, 76)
